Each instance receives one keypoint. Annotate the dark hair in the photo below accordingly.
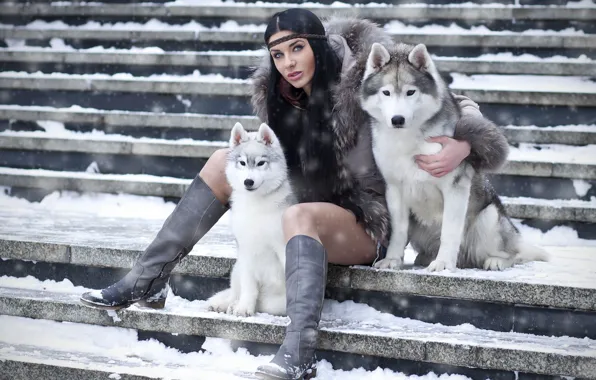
(303, 124)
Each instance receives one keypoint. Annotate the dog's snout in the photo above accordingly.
(249, 182)
(398, 121)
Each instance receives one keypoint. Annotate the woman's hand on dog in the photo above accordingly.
(452, 154)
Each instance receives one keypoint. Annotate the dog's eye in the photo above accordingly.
(243, 163)
(261, 163)
(411, 92)
(386, 93)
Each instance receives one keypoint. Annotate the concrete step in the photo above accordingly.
(571, 163)
(480, 65)
(495, 89)
(572, 135)
(42, 234)
(410, 340)
(263, 11)
(524, 208)
(254, 35)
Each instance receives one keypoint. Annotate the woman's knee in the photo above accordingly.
(214, 174)
(299, 216)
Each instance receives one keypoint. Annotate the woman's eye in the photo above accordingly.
(298, 47)
(386, 93)
(276, 55)
(243, 163)
(411, 92)
(261, 163)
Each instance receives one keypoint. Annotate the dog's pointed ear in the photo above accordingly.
(238, 135)
(420, 58)
(266, 135)
(378, 57)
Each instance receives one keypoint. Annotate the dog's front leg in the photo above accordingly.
(248, 289)
(399, 213)
(456, 195)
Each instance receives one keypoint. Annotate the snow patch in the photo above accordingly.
(581, 187)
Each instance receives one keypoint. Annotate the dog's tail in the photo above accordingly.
(530, 252)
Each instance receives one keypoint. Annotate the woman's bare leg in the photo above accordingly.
(336, 228)
(214, 175)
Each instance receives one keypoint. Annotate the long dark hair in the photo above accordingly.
(303, 124)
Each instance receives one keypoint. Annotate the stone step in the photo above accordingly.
(524, 208)
(503, 65)
(410, 340)
(254, 35)
(40, 234)
(549, 93)
(572, 135)
(263, 11)
(572, 163)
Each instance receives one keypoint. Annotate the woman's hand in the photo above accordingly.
(452, 154)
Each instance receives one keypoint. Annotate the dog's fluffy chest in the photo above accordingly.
(394, 153)
(258, 223)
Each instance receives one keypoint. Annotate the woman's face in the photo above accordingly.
(295, 60)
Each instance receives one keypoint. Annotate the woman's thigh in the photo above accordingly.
(345, 240)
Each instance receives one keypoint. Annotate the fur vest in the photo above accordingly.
(352, 39)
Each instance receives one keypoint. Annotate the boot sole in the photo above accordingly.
(143, 303)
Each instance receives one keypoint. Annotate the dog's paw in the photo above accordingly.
(240, 310)
(496, 263)
(439, 265)
(388, 264)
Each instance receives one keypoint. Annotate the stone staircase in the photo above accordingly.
(109, 97)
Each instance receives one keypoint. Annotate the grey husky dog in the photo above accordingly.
(456, 220)
(261, 192)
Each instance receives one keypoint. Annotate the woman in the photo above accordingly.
(310, 99)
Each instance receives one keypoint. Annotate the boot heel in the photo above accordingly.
(153, 304)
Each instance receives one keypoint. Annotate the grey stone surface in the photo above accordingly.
(568, 281)
(512, 39)
(27, 370)
(204, 150)
(225, 59)
(199, 121)
(126, 118)
(547, 136)
(472, 13)
(241, 88)
(404, 340)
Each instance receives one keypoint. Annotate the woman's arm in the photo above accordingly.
(476, 139)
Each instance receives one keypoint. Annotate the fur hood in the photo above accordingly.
(351, 39)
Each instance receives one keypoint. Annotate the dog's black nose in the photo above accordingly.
(398, 121)
(248, 182)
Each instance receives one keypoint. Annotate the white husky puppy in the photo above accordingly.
(455, 220)
(257, 172)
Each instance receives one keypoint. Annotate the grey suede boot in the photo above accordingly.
(147, 282)
(306, 277)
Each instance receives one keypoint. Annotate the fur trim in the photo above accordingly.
(489, 147)
(259, 82)
(348, 114)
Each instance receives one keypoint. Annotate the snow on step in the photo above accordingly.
(552, 90)
(562, 210)
(345, 327)
(569, 134)
(64, 350)
(522, 65)
(76, 114)
(264, 10)
(550, 161)
(431, 35)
